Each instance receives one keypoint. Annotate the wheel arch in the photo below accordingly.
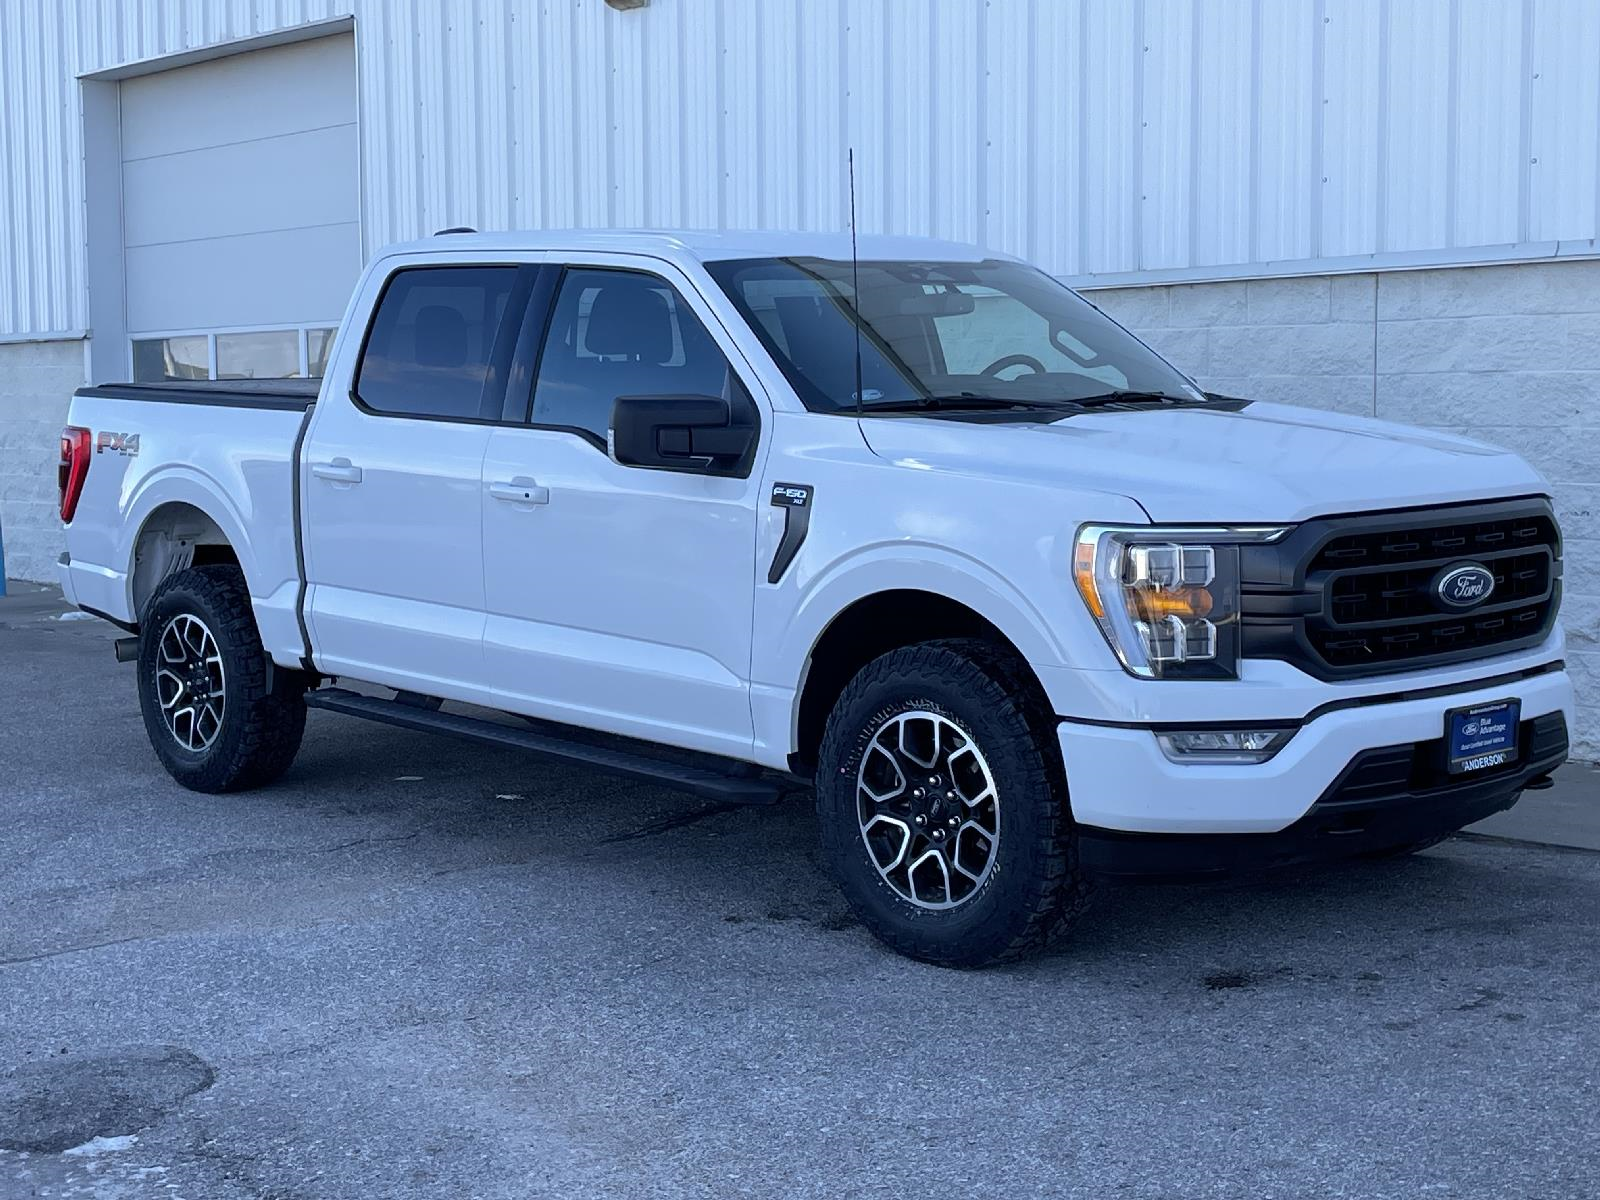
(173, 535)
(873, 625)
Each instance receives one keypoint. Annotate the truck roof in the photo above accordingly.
(704, 245)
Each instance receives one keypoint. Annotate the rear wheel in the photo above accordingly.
(214, 720)
(943, 808)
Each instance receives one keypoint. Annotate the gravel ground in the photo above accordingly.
(418, 968)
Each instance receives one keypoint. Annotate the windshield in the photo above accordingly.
(930, 331)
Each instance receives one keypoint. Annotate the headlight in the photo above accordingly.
(1167, 599)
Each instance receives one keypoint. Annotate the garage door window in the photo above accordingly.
(158, 359)
(293, 353)
(271, 355)
(319, 344)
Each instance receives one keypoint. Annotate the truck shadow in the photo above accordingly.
(474, 808)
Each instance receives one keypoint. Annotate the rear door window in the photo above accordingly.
(438, 346)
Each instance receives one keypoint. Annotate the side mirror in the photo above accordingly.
(678, 433)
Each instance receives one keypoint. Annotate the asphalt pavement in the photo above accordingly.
(421, 968)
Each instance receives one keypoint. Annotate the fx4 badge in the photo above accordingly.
(117, 443)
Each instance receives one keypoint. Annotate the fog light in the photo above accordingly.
(1223, 745)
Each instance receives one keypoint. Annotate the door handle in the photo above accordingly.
(520, 490)
(337, 471)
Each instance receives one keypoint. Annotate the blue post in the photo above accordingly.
(2, 562)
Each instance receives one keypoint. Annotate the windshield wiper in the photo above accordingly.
(1134, 397)
(956, 401)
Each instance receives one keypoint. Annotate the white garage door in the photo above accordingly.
(240, 220)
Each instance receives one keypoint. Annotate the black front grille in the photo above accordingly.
(1350, 596)
(1390, 594)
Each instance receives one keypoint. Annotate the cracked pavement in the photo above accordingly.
(420, 968)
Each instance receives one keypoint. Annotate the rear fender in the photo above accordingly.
(165, 489)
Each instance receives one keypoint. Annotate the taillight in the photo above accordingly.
(75, 451)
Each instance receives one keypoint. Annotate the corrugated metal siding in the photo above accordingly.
(43, 49)
(1124, 138)
(41, 261)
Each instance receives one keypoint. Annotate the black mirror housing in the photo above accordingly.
(680, 433)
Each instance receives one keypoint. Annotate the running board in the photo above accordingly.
(728, 786)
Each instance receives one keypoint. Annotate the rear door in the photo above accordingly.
(392, 476)
(619, 597)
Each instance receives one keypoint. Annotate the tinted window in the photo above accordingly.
(432, 342)
(992, 329)
(623, 333)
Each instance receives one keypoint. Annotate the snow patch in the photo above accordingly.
(103, 1145)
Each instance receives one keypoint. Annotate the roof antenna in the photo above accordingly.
(855, 277)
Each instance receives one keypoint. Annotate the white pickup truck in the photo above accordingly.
(737, 514)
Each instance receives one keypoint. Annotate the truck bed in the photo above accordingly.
(205, 459)
(294, 395)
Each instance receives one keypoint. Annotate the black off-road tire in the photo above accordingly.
(261, 725)
(1034, 889)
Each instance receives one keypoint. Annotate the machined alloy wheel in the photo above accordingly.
(929, 809)
(191, 683)
(923, 749)
(221, 716)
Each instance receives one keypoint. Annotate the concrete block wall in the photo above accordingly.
(1508, 354)
(37, 380)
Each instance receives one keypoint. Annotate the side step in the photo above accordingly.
(705, 781)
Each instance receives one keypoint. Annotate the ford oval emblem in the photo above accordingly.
(1466, 586)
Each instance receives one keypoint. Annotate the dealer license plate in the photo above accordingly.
(1482, 737)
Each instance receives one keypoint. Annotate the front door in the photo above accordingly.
(393, 476)
(618, 597)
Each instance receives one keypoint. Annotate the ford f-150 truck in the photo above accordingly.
(919, 527)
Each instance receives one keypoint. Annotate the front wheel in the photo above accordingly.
(943, 809)
(219, 717)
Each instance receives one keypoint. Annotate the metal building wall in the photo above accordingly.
(1109, 140)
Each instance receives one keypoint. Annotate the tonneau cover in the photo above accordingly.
(292, 394)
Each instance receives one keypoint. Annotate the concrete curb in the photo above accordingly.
(1567, 814)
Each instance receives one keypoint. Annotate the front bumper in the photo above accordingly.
(1119, 780)
(1384, 800)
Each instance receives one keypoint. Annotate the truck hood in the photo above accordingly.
(1260, 463)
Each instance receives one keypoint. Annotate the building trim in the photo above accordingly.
(1355, 264)
(102, 286)
(308, 32)
(49, 335)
